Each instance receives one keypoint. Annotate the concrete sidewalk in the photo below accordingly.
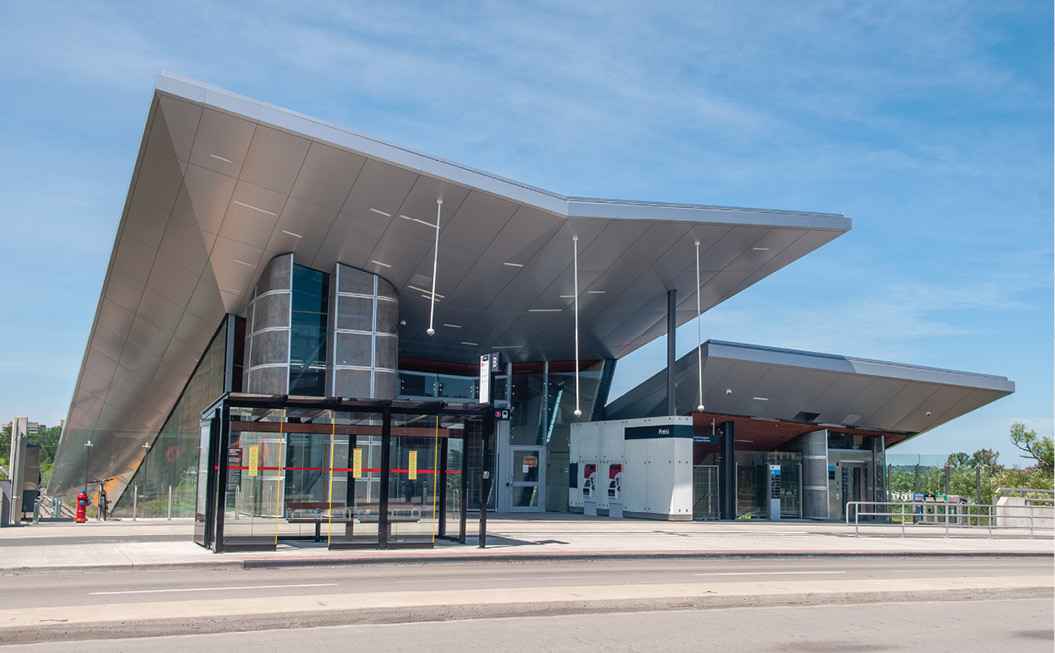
(162, 543)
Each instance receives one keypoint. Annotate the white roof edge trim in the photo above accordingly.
(224, 100)
(427, 164)
(851, 365)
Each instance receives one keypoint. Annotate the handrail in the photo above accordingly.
(1001, 490)
(916, 510)
(1021, 491)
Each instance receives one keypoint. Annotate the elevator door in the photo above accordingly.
(525, 482)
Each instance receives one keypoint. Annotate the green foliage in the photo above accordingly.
(5, 446)
(48, 440)
(966, 471)
(1040, 449)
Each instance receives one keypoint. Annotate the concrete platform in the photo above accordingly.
(164, 543)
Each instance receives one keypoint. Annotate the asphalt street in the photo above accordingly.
(1007, 626)
(56, 606)
(100, 588)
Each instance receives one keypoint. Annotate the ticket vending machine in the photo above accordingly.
(615, 490)
(589, 489)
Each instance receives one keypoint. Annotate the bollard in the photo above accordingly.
(135, 499)
(56, 508)
(170, 502)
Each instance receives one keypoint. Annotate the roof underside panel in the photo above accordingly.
(222, 184)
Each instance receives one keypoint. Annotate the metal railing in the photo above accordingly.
(952, 515)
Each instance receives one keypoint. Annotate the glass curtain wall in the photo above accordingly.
(752, 484)
(307, 339)
(171, 462)
(542, 412)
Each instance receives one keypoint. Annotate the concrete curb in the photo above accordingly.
(220, 562)
(319, 617)
(269, 563)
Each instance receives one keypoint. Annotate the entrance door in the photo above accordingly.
(853, 486)
(525, 482)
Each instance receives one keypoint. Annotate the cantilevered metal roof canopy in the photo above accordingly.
(223, 183)
(822, 389)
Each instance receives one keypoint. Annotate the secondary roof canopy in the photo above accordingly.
(823, 389)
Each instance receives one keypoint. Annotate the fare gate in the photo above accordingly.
(705, 505)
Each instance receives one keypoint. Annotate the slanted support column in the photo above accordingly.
(727, 473)
(672, 325)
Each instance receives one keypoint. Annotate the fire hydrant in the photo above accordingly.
(82, 507)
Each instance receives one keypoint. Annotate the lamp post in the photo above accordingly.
(87, 457)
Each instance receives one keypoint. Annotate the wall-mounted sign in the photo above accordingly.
(660, 431)
(357, 463)
(412, 465)
(485, 379)
(254, 460)
(234, 468)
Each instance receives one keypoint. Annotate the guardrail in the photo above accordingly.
(951, 515)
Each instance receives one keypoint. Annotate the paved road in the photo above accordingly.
(42, 606)
(99, 589)
(1009, 625)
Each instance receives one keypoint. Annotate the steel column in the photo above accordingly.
(672, 325)
(727, 473)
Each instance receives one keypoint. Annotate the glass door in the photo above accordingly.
(527, 483)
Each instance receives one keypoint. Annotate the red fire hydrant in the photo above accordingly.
(82, 507)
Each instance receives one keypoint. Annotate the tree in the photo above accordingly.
(1038, 448)
(5, 446)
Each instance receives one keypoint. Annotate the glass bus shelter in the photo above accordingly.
(350, 473)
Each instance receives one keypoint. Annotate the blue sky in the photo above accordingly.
(929, 124)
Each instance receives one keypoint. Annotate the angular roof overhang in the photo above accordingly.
(825, 390)
(223, 183)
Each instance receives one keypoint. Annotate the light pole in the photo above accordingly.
(87, 457)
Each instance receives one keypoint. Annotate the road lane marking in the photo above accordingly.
(488, 578)
(214, 589)
(768, 573)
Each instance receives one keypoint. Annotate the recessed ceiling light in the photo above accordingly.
(545, 310)
(231, 290)
(290, 233)
(514, 265)
(760, 398)
(739, 440)
(760, 249)
(567, 296)
(453, 326)
(428, 292)
(217, 156)
(508, 347)
(380, 212)
(255, 208)
(244, 263)
(471, 344)
(596, 292)
(384, 265)
(429, 296)
(407, 217)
